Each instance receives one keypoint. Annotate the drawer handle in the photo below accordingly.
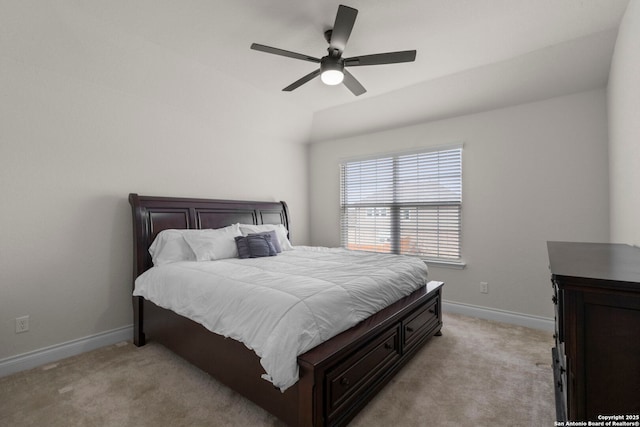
(554, 299)
(388, 346)
(409, 329)
(344, 381)
(562, 370)
(560, 385)
(432, 311)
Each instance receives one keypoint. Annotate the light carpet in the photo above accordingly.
(479, 373)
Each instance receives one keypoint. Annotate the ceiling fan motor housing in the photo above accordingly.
(331, 63)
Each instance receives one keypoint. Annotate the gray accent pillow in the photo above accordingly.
(274, 238)
(243, 247)
(256, 246)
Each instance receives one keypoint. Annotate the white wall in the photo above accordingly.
(624, 130)
(89, 113)
(531, 173)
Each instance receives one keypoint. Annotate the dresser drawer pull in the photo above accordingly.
(432, 310)
(344, 381)
(562, 370)
(388, 346)
(409, 329)
(554, 299)
(560, 385)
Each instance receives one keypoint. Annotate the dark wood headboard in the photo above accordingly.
(151, 215)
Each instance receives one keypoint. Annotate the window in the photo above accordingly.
(404, 204)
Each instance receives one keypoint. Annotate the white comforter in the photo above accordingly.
(282, 306)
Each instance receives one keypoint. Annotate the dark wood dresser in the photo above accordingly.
(596, 358)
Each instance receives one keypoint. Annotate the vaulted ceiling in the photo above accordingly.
(451, 37)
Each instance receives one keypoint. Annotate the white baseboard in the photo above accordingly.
(51, 354)
(529, 321)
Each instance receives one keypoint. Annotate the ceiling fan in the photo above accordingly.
(332, 67)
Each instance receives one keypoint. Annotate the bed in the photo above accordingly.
(336, 378)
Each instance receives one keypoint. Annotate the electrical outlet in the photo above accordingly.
(484, 287)
(22, 324)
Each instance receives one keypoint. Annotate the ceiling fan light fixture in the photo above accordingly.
(332, 71)
(332, 77)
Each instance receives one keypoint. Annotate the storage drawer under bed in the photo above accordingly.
(352, 378)
(420, 323)
(362, 369)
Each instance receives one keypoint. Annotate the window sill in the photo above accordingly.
(456, 265)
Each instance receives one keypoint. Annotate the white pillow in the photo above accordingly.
(169, 246)
(213, 244)
(280, 230)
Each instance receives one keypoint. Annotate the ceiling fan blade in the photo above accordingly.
(342, 27)
(352, 84)
(302, 81)
(381, 58)
(282, 52)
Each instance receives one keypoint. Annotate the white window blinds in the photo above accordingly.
(405, 203)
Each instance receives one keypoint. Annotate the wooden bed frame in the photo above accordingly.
(337, 378)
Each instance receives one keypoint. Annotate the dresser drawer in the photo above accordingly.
(420, 323)
(351, 378)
